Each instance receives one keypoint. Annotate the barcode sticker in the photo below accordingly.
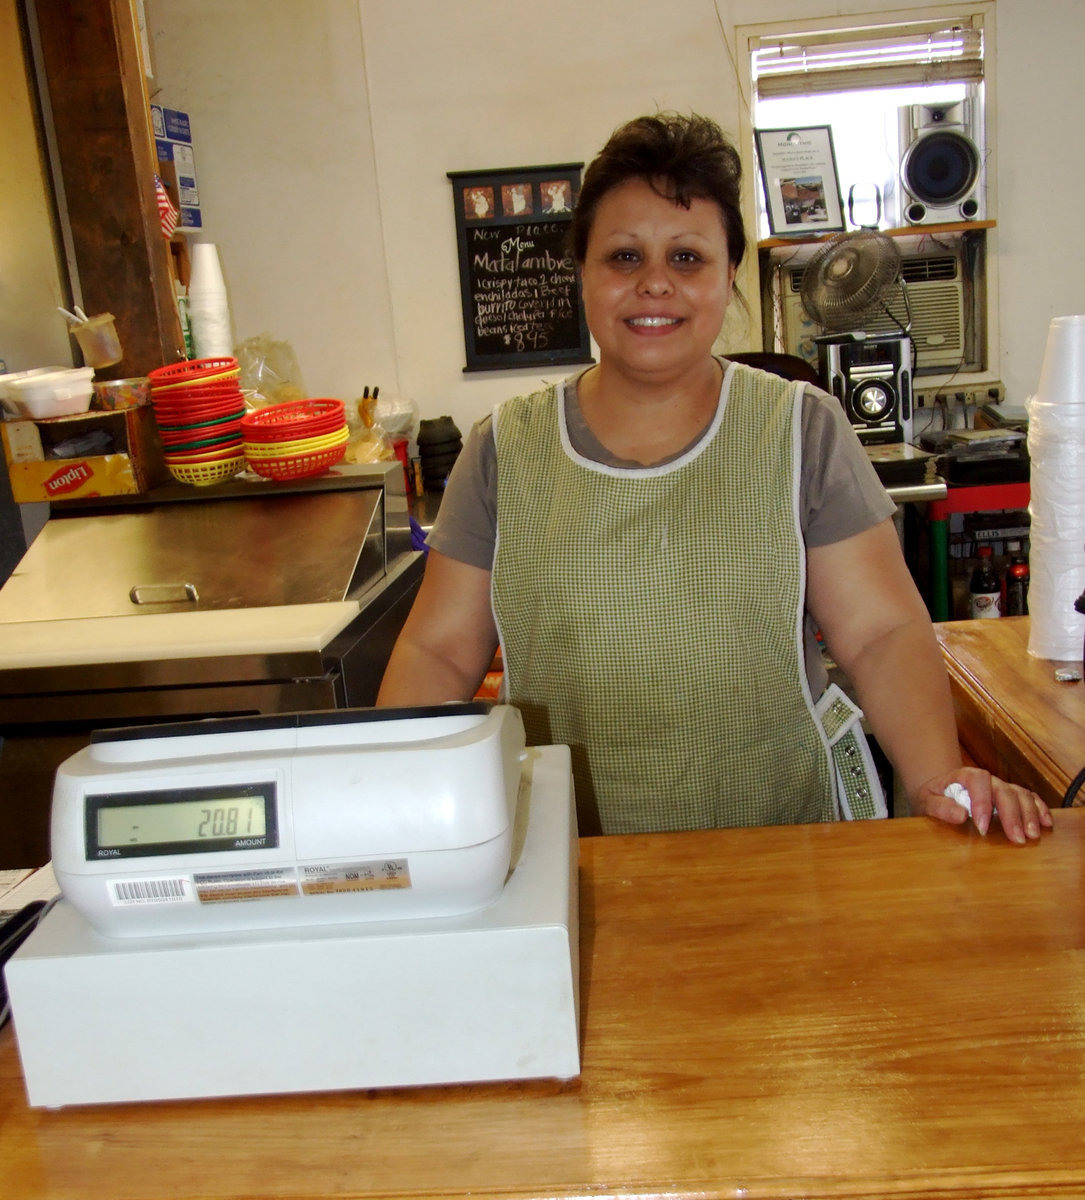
(151, 891)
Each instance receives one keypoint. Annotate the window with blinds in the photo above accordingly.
(881, 87)
(862, 82)
(846, 60)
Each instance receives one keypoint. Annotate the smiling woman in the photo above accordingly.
(656, 282)
(654, 542)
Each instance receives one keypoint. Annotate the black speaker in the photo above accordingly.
(941, 163)
(871, 375)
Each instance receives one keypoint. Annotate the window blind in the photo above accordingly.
(874, 57)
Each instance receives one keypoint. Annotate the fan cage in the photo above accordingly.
(848, 278)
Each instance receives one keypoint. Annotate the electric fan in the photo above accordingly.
(850, 277)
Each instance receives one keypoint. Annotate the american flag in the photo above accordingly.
(167, 211)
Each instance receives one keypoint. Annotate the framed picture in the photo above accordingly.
(798, 172)
(519, 285)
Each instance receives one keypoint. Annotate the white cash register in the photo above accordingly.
(304, 902)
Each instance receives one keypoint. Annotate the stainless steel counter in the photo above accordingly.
(195, 603)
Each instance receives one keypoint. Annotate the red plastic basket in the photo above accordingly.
(191, 370)
(294, 420)
(191, 420)
(204, 393)
(209, 455)
(300, 466)
(190, 442)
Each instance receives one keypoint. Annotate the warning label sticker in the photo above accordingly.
(356, 877)
(213, 887)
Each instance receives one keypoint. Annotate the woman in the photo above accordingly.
(654, 543)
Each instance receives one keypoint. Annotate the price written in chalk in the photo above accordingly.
(523, 289)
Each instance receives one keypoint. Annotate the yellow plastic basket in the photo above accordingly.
(302, 446)
(204, 473)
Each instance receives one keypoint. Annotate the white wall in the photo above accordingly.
(324, 130)
(1041, 179)
(32, 332)
(467, 87)
(277, 93)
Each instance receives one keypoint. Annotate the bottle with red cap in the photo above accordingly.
(984, 589)
(1017, 582)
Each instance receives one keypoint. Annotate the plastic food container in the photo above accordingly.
(113, 394)
(7, 398)
(52, 393)
(97, 338)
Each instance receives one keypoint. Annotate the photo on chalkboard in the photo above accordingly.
(478, 203)
(557, 196)
(516, 199)
(519, 286)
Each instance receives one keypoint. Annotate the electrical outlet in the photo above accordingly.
(973, 394)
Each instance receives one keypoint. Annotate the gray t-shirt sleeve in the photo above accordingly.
(840, 494)
(465, 527)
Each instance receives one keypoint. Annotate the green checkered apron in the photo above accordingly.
(651, 619)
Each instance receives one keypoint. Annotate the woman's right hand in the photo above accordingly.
(1021, 813)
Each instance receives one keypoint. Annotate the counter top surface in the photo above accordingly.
(231, 631)
(885, 1009)
(1013, 716)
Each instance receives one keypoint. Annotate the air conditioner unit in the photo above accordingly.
(935, 284)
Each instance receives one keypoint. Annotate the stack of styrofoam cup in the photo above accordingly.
(208, 305)
(1056, 442)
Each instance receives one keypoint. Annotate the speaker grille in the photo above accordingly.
(941, 168)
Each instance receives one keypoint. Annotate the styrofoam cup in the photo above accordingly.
(206, 273)
(1059, 420)
(1062, 375)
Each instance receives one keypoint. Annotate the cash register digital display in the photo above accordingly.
(181, 821)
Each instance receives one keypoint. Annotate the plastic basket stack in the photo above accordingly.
(295, 440)
(198, 408)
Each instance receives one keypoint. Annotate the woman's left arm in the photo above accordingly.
(862, 597)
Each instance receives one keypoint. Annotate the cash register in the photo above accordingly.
(304, 902)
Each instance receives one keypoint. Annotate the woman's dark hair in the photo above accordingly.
(681, 158)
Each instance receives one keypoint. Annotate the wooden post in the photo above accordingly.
(104, 154)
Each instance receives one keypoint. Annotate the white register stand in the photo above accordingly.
(487, 996)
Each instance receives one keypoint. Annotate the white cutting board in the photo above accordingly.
(149, 636)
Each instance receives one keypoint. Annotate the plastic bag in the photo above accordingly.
(269, 372)
(369, 442)
(397, 415)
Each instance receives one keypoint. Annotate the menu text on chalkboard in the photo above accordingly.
(519, 285)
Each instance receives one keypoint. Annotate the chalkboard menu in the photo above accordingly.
(520, 289)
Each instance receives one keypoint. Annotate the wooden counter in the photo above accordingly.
(880, 1010)
(1012, 716)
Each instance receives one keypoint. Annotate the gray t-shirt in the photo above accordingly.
(839, 492)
